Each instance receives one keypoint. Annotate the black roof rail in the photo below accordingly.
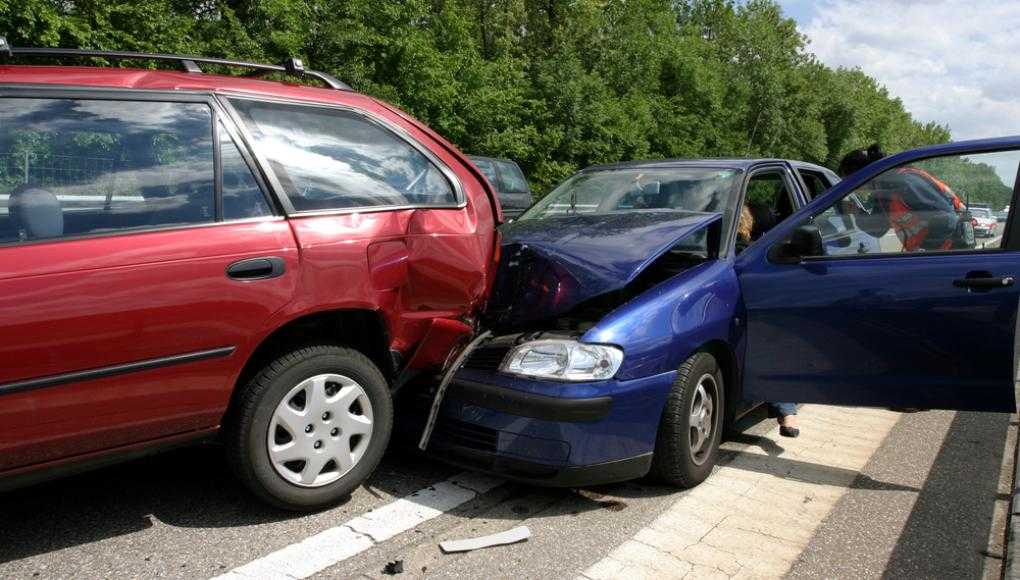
(292, 66)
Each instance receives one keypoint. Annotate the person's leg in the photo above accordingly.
(786, 415)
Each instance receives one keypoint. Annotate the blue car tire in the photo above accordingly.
(690, 430)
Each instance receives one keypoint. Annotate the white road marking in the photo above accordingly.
(316, 553)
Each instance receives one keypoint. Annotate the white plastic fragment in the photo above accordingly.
(518, 534)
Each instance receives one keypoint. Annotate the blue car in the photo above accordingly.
(637, 312)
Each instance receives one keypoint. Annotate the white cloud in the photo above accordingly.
(953, 62)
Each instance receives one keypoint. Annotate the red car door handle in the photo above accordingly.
(256, 268)
(984, 283)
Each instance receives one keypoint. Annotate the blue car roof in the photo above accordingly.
(962, 147)
(741, 163)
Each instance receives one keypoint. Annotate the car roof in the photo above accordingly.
(167, 80)
(487, 158)
(741, 163)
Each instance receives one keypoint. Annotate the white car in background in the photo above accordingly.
(985, 223)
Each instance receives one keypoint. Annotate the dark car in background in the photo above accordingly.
(508, 179)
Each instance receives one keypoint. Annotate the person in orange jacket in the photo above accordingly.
(924, 212)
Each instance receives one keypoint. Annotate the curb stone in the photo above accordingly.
(1010, 569)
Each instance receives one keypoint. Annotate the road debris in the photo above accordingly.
(604, 501)
(394, 568)
(518, 534)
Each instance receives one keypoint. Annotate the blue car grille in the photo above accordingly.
(487, 358)
(461, 434)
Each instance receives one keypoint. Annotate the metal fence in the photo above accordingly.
(51, 170)
(76, 180)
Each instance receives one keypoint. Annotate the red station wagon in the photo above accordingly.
(185, 254)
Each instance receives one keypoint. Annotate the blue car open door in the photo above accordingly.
(922, 315)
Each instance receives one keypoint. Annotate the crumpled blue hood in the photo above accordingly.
(549, 266)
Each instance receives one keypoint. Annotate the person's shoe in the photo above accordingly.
(788, 431)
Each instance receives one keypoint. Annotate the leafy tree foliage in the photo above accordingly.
(555, 84)
(971, 179)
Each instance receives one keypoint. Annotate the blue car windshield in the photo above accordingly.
(599, 192)
(684, 189)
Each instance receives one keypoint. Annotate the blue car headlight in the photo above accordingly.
(565, 360)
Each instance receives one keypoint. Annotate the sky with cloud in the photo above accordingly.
(950, 61)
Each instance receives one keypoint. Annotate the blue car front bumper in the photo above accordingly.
(551, 433)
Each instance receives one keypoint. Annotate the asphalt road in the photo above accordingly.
(931, 503)
(928, 502)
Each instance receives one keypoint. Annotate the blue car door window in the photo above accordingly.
(769, 199)
(815, 182)
(923, 206)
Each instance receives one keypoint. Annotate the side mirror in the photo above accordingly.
(805, 240)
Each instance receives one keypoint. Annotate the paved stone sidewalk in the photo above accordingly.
(754, 516)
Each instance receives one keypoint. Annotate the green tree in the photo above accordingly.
(555, 84)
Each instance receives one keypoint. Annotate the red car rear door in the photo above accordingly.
(139, 255)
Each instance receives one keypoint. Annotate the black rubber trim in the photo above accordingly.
(113, 370)
(528, 404)
(524, 471)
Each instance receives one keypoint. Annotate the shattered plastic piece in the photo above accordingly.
(518, 534)
(394, 568)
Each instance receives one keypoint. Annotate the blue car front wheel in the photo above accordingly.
(690, 430)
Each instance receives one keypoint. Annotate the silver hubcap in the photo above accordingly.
(702, 418)
(320, 430)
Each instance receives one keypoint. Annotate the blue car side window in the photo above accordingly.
(933, 205)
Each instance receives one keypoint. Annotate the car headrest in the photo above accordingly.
(36, 213)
